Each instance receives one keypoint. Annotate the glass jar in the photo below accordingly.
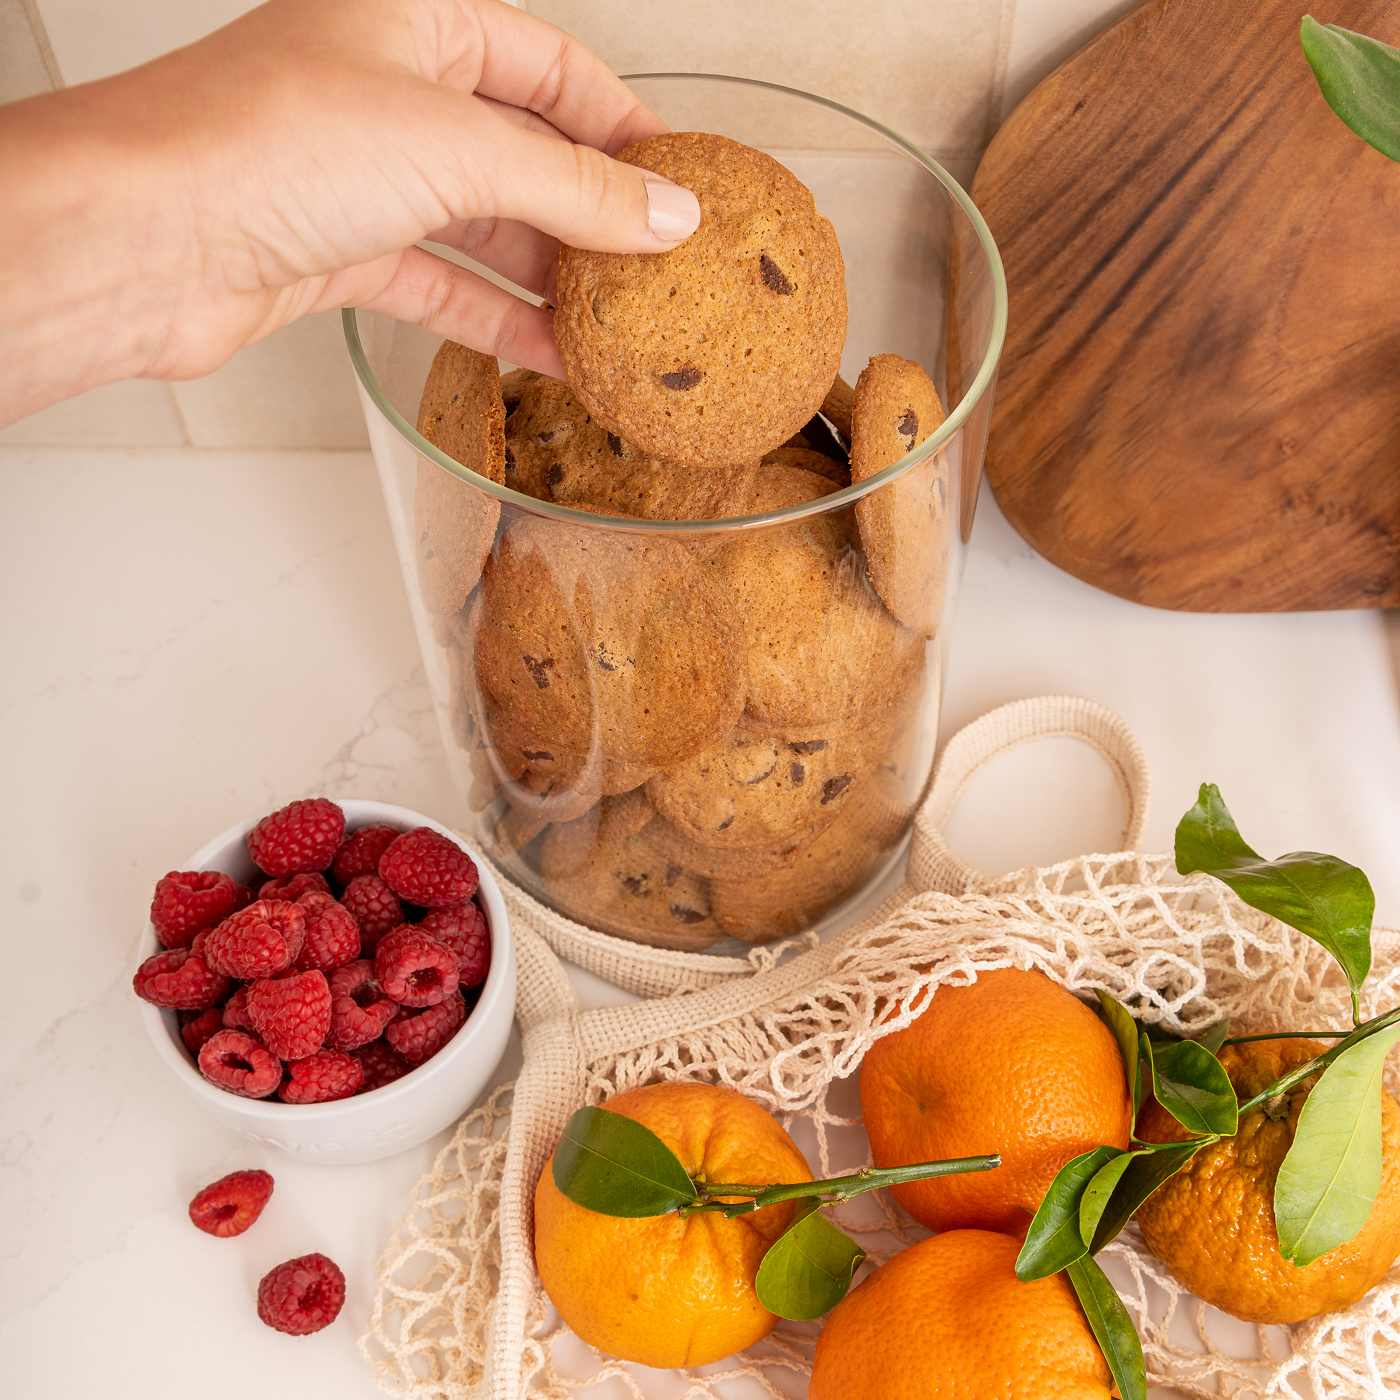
(688, 731)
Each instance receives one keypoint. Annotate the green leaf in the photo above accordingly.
(1360, 78)
(808, 1268)
(617, 1166)
(1213, 1037)
(1112, 1327)
(1053, 1241)
(1191, 1084)
(1097, 1194)
(1147, 1171)
(1328, 1181)
(1321, 896)
(1125, 1032)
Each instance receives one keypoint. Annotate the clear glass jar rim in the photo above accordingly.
(837, 500)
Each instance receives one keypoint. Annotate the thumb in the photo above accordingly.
(583, 197)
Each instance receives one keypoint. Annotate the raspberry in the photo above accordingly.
(382, 1065)
(234, 1060)
(187, 902)
(179, 979)
(302, 1296)
(231, 1204)
(332, 935)
(259, 941)
(236, 1011)
(414, 968)
(197, 1026)
(300, 836)
(427, 869)
(292, 1014)
(292, 887)
(464, 930)
(374, 906)
(420, 1037)
(319, 1078)
(360, 851)
(359, 1010)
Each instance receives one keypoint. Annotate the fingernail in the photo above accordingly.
(673, 213)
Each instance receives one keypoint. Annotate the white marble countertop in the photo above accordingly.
(191, 638)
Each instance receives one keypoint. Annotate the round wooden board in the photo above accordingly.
(1199, 404)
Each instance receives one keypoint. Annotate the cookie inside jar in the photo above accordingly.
(695, 697)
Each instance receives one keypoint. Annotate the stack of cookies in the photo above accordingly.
(716, 731)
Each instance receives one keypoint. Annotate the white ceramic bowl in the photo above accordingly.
(384, 1121)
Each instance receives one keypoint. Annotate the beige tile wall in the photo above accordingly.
(943, 72)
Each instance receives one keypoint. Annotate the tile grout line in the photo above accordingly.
(41, 42)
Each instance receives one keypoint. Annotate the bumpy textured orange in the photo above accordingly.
(1212, 1224)
(1010, 1064)
(672, 1290)
(949, 1318)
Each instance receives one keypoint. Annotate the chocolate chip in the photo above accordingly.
(798, 774)
(546, 436)
(687, 377)
(634, 884)
(554, 475)
(455, 397)
(537, 755)
(510, 462)
(834, 787)
(908, 424)
(605, 662)
(808, 746)
(686, 915)
(539, 669)
(615, 444)
(726, 823)
(773, 276)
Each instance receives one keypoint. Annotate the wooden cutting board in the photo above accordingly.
(1199, 404)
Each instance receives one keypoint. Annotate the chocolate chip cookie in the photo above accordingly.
(903, 526)
(722, 348)
(462, 414)
(836, 471)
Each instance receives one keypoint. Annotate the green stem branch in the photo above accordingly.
(1286, 1035)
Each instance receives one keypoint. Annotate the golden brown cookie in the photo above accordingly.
(716, 862)
(838, 406)
(598, 641)
(462, 414)
(722, 348)
(810, 460)
(597, 871)
(822, 655)
(557, 451)
(904, 525)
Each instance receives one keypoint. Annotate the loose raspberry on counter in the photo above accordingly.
(302, 1296)
(419, 1037)
(427, 869)
(359, 1009)
(332, 935)
(319, 1078)
(360, 851)
(463, 928)
(292, 1014)
(197, 1026)
(303, 835)
(292, 887)
(187, 902)
(236, 1011)
(414, 968)
(259, 941)
(179, 980)
(228, 1206)
(382, 1064)
(374, 906)
(236, 1061)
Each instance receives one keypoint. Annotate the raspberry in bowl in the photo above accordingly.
(336, 979)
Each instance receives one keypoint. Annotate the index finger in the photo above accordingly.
(529, 63)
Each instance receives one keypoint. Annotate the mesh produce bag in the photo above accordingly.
(459, 1311)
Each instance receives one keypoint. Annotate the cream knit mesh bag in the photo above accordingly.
(459, 1313)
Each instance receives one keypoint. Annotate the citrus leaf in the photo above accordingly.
(1112, 1327)
(1154, 1167)
(1360, 78)
(1053, 1240)
(1191, 1084)
(1096, 1195)
(1213, 1037)
(1328, 1180)
(808, 1268)
(617, 1166)
(1327, 899)
(1125, 1032)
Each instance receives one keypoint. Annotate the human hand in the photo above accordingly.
(290, 163)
